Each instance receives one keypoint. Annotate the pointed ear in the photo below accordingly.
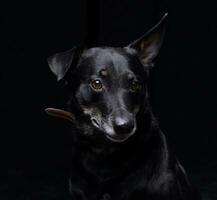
(60, 63)
(149, 44)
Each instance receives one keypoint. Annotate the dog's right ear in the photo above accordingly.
(148, 46)
(60, 63)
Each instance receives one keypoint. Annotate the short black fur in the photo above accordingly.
(119, 151)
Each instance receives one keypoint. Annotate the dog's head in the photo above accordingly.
(109, 85)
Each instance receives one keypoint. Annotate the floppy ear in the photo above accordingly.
(60, 63)
(149, 44)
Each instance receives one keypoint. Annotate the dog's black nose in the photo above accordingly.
(123, 126)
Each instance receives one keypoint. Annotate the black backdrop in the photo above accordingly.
(183, 85)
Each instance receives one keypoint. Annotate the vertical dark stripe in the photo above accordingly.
(158, 9)
(92, 22)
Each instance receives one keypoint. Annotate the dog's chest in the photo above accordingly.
(98, 179)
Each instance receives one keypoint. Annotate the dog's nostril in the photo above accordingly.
(123, 126)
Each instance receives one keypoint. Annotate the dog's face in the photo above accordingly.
(110, 84)
(111, 90)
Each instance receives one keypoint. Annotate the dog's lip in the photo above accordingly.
(95, 122)
(118, 139)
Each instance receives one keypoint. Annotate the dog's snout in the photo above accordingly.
(123, 126)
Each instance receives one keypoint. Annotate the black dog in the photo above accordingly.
(119, 151)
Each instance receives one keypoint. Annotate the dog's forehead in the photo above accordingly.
(110, 58)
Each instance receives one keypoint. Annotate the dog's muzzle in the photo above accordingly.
(120, 129)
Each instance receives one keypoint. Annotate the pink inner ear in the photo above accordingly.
(55, 112)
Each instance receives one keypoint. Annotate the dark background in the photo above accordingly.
(35, 149)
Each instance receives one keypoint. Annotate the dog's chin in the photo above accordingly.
(116, 138)
(110, 134)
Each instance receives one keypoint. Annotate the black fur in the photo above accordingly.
(119, 151)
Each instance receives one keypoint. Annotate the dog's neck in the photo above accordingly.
(101, 147)
(95, 141)
(109, 161)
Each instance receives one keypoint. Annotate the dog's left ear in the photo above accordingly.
(60, 63)
(149, 44)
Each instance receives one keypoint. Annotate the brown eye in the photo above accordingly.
(96, 85)
(135, 86)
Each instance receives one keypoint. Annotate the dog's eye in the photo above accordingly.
(96, 85)
(135, 86)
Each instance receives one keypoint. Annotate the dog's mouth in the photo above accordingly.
(116, 138)
(95, 123)
(107, 130)
(110, 133)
